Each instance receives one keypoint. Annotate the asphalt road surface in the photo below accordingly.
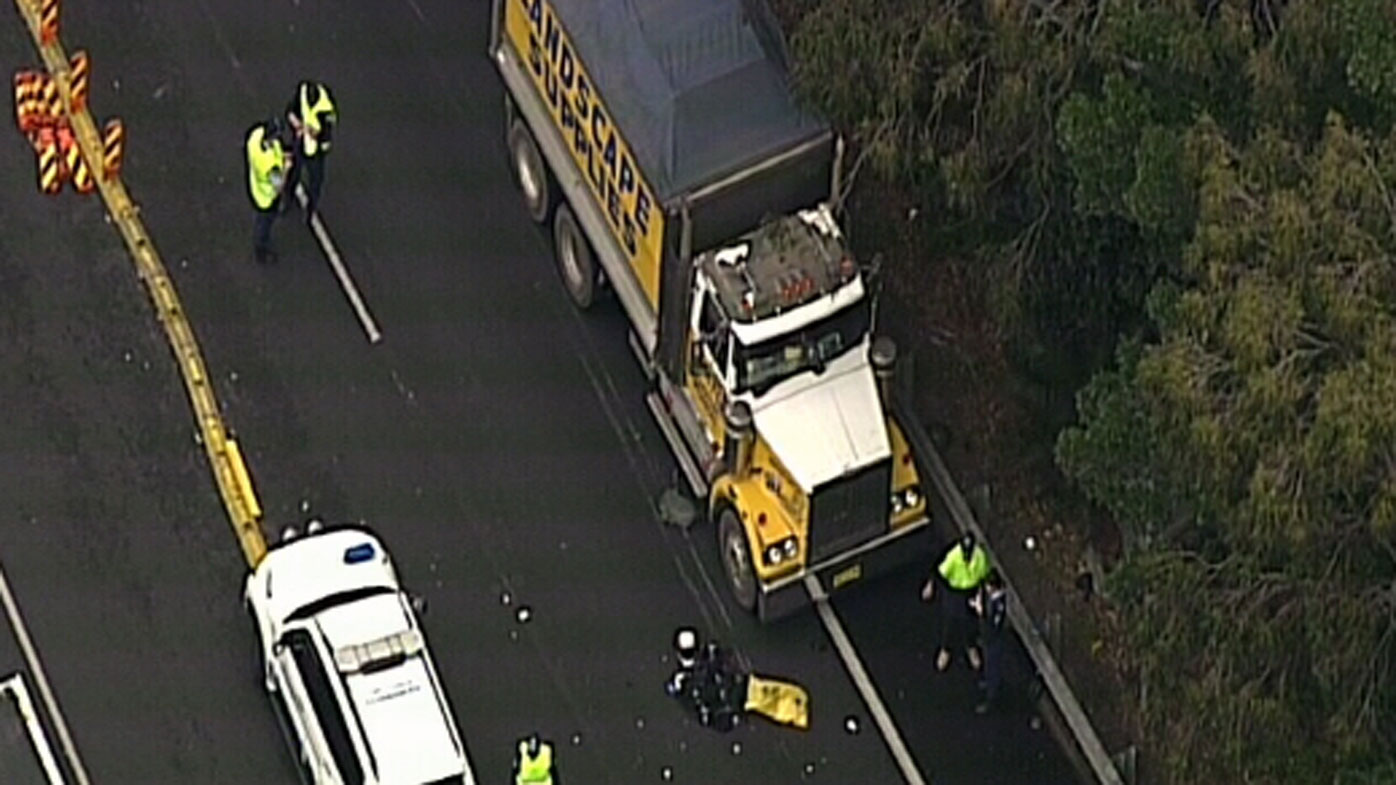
(496, 438)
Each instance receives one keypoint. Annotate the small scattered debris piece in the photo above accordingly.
(676, 509)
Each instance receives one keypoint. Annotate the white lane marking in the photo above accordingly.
(417, 10)
(31, 658)
(346, 282)
(15, 686)
(859, 674)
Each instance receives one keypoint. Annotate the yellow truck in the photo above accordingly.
(659, 143)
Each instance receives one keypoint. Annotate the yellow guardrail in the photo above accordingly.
(225, 458)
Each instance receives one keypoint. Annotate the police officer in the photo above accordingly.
(312, 115)
(962, 569)
(991, 605)
(266, 167)
(533, 762)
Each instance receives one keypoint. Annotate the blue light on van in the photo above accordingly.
(359, 553)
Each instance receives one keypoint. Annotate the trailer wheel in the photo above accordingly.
(575, 261)
(530, 172)
(736, 557)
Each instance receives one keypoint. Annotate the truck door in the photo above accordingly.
(709, 345)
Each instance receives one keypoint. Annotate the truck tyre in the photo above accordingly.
(530, 171)
(575, 262)
(736, 558)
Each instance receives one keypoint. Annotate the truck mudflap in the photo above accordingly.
(855, 566)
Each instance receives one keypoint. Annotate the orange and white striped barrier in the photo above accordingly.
(29, 106)
(79, 73)
(113, 143)
(50, 165)
(48, 21)
(83, 182)
(52, 102)
(68, 153)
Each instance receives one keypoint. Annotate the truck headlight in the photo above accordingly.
(905, 499)
(911, 496)
(781, 551)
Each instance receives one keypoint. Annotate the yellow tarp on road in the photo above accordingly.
(782, 701)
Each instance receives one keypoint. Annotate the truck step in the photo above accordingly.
(696, 481)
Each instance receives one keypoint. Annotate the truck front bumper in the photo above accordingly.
(875, 557)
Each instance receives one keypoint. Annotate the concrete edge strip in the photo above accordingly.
(36, 669)
(14, 685)
(1086, 737)
(234, 484)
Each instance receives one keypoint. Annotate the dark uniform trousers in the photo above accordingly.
(314, 168)
(261, 229)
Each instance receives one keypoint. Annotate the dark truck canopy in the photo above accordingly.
(697, 87)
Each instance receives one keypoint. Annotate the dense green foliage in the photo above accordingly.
(1194, 203)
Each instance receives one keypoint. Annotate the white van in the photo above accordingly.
(346, 664)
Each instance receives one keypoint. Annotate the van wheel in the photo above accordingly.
(736, 558)
(575, 261)
(530, 172)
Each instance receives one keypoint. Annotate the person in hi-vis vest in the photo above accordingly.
(312, 115)
(533, 762)
(266, 170)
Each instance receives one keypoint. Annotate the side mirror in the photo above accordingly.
(418, 603)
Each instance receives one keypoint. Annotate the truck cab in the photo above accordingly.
(798, 451)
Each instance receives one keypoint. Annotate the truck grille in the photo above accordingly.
(849, 511)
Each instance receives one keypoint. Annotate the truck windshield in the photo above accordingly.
(761, 366)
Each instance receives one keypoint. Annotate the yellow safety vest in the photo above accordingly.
(264, 165)
(535, 770)
(964, 575)
(310, 116)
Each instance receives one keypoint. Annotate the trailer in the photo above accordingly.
(659, 144)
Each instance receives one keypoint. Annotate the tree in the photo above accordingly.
(1263, 610)
(1211, 182)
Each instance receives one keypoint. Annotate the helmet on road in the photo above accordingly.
(686, 645)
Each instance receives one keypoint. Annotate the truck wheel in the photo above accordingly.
(530, 172)
(574, 258)
(736, 557)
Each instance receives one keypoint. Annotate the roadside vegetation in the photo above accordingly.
(1179, 216)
